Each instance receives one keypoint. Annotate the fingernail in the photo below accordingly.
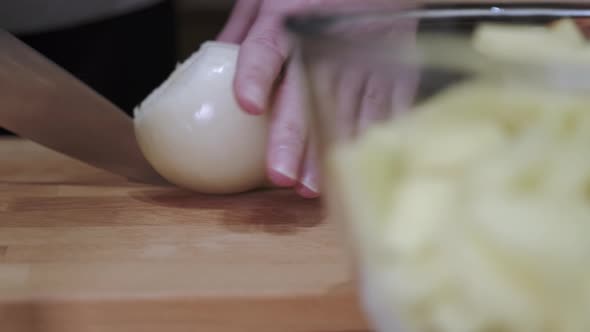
(255, 97)
(310, 185)
(283, 161)
(286, 171)
(305, 191)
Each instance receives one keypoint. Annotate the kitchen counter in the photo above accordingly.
(82, 250)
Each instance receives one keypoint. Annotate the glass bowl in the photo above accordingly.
(452, 143)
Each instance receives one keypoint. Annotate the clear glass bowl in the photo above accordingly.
(444, 127)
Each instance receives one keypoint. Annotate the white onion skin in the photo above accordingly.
(193, 132)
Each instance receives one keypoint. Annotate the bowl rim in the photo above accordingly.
(316, 22)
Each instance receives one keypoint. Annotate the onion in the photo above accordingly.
(193, 132)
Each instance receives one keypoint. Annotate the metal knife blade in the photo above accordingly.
(42, 102)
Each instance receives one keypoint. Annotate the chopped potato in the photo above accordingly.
(558, 43)
(472, 213)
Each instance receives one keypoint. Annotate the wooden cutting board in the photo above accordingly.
(82, 250)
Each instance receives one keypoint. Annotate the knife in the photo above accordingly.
(42, 102)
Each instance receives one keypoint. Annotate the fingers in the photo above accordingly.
(376, 103)
(289, 129)
(239, 22)
(365, 97)
(308, 184)
(405, 90)
(386, 95)
(349, 97)
(262, 55)
(356, 98)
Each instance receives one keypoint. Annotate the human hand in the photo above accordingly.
(267, 80)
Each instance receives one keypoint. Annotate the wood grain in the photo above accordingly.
(82, 250)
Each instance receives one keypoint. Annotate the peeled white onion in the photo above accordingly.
(194, 133)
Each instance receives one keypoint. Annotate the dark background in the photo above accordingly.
(125, 57)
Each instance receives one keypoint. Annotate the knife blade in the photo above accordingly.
(42, 102)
